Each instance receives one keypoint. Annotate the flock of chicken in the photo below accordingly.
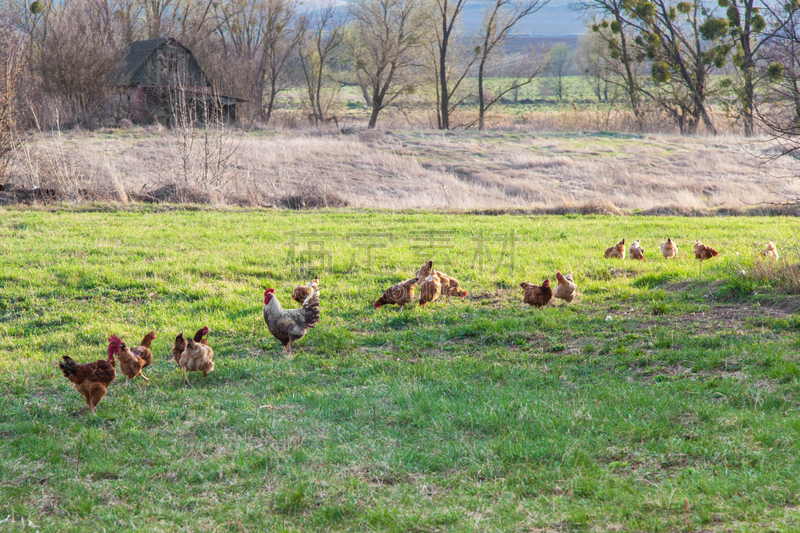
(668, 249)
(289, 325)
(92, 379)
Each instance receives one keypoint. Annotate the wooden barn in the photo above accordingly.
(157, 78)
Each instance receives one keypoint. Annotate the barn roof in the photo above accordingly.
(135, 56)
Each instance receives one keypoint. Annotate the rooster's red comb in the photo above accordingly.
(113, 339)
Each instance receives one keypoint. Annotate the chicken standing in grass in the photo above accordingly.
(399, 294)
(668, 249)
(301, 293)
(430, 289)
(617, 251)
(771, 251)
(636, 251)
(130, 363)
(703, 252)
(566, 287)
(180, 343)
(196, 357)
(537, 295)
(450, 285)
(142, 355)
(91, 379)
(289, 325)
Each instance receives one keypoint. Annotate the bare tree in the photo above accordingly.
(235, 61)
(499, 20)
(257, 39)
(385, 35)
(159, 16)
(323, 31)
(448, 79)
(192, 22)
(282, 35)
(591, 60)
(559, 61)
(182, 18)
(74, 48)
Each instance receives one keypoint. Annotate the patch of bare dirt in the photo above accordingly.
(496, 299)
(717, 317)
(786, 306)
(377, 476)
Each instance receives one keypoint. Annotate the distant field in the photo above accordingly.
(539, 95)
(657, 402)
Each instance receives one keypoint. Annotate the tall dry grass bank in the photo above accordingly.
(409, 169)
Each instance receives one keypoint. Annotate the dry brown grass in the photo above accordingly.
(783, 273)
(426, 169)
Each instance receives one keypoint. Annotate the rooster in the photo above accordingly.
(91, 379)
(535, 295)
(289, 325)
(617, 251)
(703, 252)
(130, 363)
(196, 357)
(180, 343)
(636, 251)
(771, 251)
(399, 294)
(668, 249)
(301, 293)
(565, 290)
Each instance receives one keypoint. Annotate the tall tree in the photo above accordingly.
(382, 44)
(74, 46)
(591, 58)
(448, 79)
(282, 35)
(500, 18)
(257, 38)
(323, 31)
(240, 34)
(559, 62)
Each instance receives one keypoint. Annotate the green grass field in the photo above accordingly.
(657, 402)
